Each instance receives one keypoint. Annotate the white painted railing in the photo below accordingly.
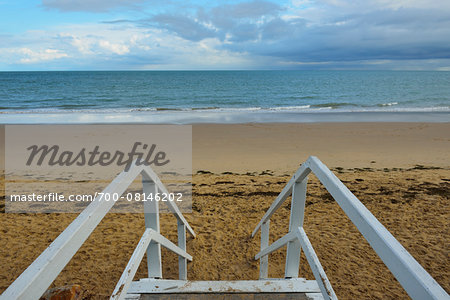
(411, 275)
(35, 280)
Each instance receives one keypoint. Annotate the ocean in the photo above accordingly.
(228, 96)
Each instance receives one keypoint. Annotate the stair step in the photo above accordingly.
(255, 296)
(149, 288)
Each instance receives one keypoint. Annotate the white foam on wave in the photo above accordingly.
(389, 104)
(256, 108)
(284, 108)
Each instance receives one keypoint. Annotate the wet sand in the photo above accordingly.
(401, 172)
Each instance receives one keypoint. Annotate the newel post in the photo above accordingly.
(264, 261)
(151, 214)
(295, 221)
(182, 262)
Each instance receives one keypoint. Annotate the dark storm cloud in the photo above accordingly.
(240, 22)
(277, 29)
(340, 32)
(259, 28)
(184, 27)
(401, 34)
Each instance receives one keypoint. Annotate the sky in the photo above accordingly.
(224, 35)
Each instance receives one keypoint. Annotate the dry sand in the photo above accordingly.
(282, 147)
(400, 171)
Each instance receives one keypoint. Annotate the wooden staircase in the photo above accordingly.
(35, 280)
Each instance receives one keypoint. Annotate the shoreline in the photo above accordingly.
(235, 117)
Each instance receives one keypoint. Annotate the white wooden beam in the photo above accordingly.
(35, 280)
(151, 215)
(277, 244)
(264, 260)
(411, 275)
(162, 286)
(316, 267)
(182, 262)
(295, 221)
(172, 206)
(170, 246)
(301, 173)
(124, 282)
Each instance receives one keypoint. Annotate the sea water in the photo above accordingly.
(222, 96)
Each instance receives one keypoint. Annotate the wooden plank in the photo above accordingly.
(314, 296)
(316, 267)
(411, 275)
(234, 296)
(160, 286)
(182, 262)
(277, 244)
(172, 206)
(151, 215)
(35, 280)
(170, 246)
(295, 221)
(264, 260)
(301, 174)
(124, 282)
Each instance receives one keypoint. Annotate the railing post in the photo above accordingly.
(151, 214)
(295, 221)
(182, 262)
(264, 261)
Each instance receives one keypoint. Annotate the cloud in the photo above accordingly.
(278, 28)
(31, 56)
(240, 22)
(233, 22)
(323, 31)
(184, 27)
(241, 35)
(119, 49)
(105, 47)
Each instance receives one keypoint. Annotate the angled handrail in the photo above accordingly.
(299, 176)
(35, 280)
(149, 173)
(411, 275)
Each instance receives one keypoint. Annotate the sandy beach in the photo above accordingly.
(400, 171)
(282, 147)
